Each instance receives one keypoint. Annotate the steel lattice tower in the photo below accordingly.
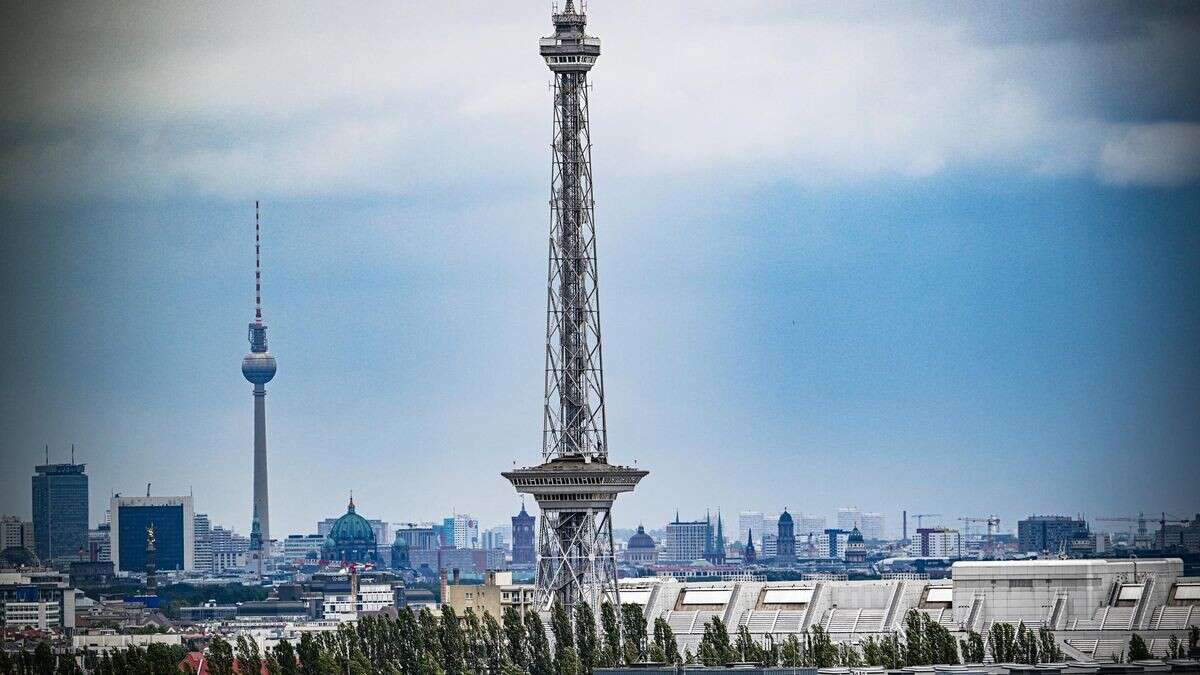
(575, 486)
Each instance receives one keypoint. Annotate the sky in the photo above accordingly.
(942, 257)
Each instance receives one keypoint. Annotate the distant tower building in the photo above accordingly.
(749, 557)
(747, 521)
(856, 548)
(60, 509)
(848, 517)
(687, 541)
(872, 526)
(575, 485)
(716, 554)
(785, 544)
(15, 532)
(522, 538)
(259, 367)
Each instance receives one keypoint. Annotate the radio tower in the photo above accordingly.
(574, 486)
(259, 367)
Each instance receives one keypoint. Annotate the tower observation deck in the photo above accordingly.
(574, 486)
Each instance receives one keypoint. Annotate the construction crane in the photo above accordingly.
(922, 516)
(993, 523)
(1143, 534)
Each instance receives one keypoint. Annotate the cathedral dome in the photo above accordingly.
(351, 538)
(785, 517)
(641, 540)
(855, 536)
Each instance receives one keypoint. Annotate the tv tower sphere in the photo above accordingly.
(258, 367)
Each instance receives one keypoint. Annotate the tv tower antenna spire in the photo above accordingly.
(575, 486)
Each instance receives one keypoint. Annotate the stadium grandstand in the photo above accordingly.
(1093, 606)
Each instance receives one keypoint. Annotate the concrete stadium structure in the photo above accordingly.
(1093, 606)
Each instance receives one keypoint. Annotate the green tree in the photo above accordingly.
(849, 656)
(431, 638)
(1001, 642)
(1048, 649)
(220, 657)
(248, 658)
(493, 634)
(285, 655)
(453, 643)
(610, 655)
(1138, 651)
(514, 633)
(585, 637)
(791, 652)
(1193, 638)
(1027, 645)
(566, 659)
(715, 647)
(666, 647)
(633, 629)
(540, 660)
(745, 648)
(972, 647)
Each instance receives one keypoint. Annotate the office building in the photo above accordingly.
(938, 542)
(302, 546)
(174, 528)
(37, 599)
(1051, 534)
(808, 524)
(496, 594)
(687, 541)
(60, 510)
(461, 531)
(16, 532)
(872, 526)
(202, 543)
(832, 543)
(848, 517)
(100, 543)
(747, 521)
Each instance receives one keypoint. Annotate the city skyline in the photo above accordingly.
(993, 313)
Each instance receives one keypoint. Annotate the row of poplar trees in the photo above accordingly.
(520, 644)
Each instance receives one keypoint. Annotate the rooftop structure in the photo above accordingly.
(575, 486)
(258, 367)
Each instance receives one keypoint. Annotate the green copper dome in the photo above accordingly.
(352, 529)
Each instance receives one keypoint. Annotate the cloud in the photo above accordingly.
(1165, 154)
(311, 99)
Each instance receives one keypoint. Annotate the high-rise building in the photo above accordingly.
(687, 541)
(848, 517)
(461, 531)
(832, 543)
(202, 542)
(938, 542)
(749, 521)
(785, 553)
(258, 367)
(16, 532)
(60, 510)
(522, 536)
(1049, 533)
(100, 543)
(809, 524)
(575, 485)
(174, 527)
(872, 526)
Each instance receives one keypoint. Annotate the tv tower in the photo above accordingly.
(259, 367)
(574, 486)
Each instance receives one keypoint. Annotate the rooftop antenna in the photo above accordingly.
(72, 453)
(257, 269)
(147, 489)
(47, 453)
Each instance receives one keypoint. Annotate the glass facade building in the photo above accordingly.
(60, 510)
